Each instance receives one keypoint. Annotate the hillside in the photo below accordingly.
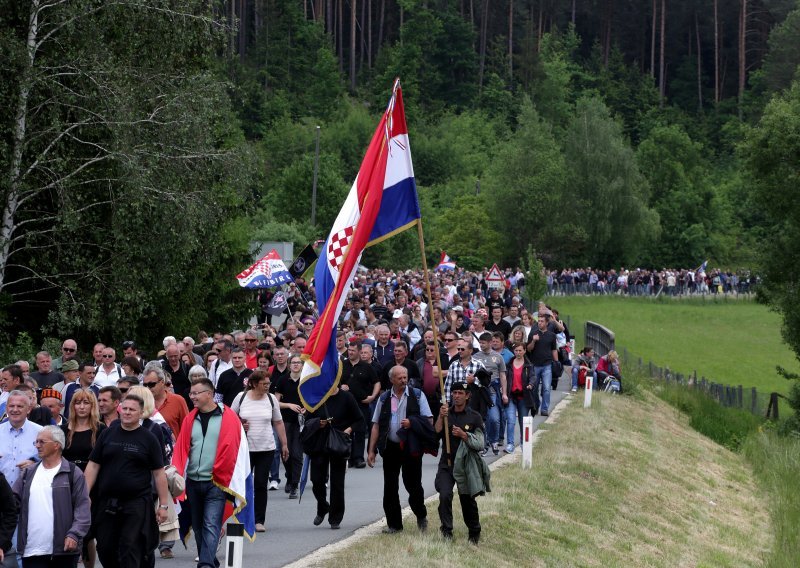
(627, 483)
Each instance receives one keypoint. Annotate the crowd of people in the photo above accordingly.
(646, 282)
(453, 377)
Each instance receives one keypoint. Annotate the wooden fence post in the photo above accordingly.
(739, 396)
(754, 401)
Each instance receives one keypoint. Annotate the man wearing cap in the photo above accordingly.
(69, 350)
(70, 371)
(51, 399)
(466, 427)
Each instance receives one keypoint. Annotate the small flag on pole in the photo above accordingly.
(445, 263)
(267, 272)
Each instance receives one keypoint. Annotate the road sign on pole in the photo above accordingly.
(495, 278)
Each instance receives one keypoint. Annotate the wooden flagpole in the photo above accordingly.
(446, 428)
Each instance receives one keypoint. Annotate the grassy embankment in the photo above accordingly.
(626, 483)
(735, 342)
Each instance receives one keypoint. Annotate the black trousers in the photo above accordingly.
(360, 435)
(318, 472)
(294, 465)
(260, 462)
(395, 462)
(444, 484)
(124, 539)
(51, 561)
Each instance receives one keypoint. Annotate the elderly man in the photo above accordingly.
(178, 370)
(109, 372)
(69, 350)
(17, 436)
(44, 375)
(250, 349)
(70, 371)
(51, 400)
(394, 411)
(172, 407)
(54, 506)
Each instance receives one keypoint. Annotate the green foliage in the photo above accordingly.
(606, 191)
(771, 158)
(535, 279)
(465, 231)
(19, 348)
(780, 64)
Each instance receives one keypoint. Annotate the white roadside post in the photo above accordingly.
(234, 546)
(587, 400)
(527, 442)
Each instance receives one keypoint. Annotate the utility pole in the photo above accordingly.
(314, 186)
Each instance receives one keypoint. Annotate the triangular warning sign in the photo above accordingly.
(494, 274)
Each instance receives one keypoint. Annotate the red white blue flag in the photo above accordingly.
(445, 263)
(267, 272)
(382, 202)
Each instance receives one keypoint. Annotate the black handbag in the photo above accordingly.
(313, 438)
(338, 443)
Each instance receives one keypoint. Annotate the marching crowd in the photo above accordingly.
(137, 435)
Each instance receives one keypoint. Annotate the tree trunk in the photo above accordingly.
(716, 53)
(662, 62)
(353, 7)
(699, 65)
(742, 54)
(369, 33)
(573, 12)
(607, 32)
(484, 30)
(339, 30)
(540, 30)
(380, 24)
(243, 25)
(329, 17)
(362, 45)
(653, 42)
(510, 40)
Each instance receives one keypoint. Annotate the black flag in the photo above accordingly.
(303, 262)
(277, 305)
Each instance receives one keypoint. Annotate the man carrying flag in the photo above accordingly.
(382, 202)
(211, 453)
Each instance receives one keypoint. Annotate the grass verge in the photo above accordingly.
(627, 483)
(734, 342)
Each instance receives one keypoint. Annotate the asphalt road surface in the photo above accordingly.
(290, 533)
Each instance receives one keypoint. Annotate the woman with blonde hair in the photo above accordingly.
(81, 432)
(608, 369)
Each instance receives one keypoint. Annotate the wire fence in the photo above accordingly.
(760, 403)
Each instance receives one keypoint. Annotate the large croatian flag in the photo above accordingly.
(382, 202)
(267, 272)
(445, 263)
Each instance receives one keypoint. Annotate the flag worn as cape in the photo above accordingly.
(382, 202)
(231, 470)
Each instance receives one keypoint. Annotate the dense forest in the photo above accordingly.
(146, 144)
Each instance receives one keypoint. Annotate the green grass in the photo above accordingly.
(735, 342)
(625, 483)
(776, 461)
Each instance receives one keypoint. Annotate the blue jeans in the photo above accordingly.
(207, 502)
(544, 377)
(575, 370)
(493, 416)
(501, 411)
(515, 410)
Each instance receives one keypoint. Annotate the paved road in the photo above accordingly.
(291, 535)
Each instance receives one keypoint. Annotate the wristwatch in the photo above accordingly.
(165, 507)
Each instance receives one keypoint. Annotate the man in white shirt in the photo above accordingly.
(109, 372)
(223, 362)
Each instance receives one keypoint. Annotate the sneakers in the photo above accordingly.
(318, 520)
(273, 485)
(495, 448)
(260, 528)
(335, 526)
(574, 389)
(166, 553)
(544, 413)
(484, 452)
(509, 449)
(287, 488)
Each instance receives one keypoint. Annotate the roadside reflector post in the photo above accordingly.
(234, 545)
(587, 399)
(527, 442)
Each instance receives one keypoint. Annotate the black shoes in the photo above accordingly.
(334, 526)
(422, 524)
(391, 530)
(545, 413)
(318, 519)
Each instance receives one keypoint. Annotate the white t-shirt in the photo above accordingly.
(103, 378)
(40, 512)
(259, 416)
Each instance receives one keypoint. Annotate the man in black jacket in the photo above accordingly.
(8, 516)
